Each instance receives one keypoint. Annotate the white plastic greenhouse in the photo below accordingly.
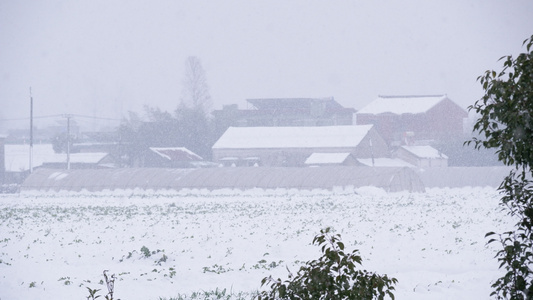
(94, 180)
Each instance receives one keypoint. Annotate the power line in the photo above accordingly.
(96, 118)
(27, 118)
(61, 116)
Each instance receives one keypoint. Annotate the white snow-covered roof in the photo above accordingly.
(292, 137)
(85, 157)
(425, 151)
(176, 153)
(401, 104)
(17, 157)
(385, 162)
(326, 158)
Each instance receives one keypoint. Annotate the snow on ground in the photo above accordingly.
(54, 246)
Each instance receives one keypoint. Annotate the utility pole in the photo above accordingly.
(31, 132)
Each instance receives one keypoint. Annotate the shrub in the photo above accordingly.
(333, 276)
(505, 123)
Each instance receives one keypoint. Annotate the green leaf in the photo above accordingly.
(490, 233)
(341, 246)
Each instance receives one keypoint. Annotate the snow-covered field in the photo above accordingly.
(164, 245)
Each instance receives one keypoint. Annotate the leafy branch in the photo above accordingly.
(333, 276)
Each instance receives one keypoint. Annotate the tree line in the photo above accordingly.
(189, 125)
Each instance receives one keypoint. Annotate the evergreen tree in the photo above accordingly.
(506, 124)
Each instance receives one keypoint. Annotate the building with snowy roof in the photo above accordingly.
(384, 162)
(291, 146)
(173, 157)
(398, 118)
(422, 156)
(84, 160)
(263, 112)
(16, 160)
(331, 159)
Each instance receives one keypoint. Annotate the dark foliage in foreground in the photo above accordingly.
(506, 124)
(333, 276)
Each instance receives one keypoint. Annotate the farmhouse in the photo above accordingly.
(86, 160)
(422, 156)
(285, 112)
(331, 159)
(173, 157)
(384, 162)
(16, 160)
(401, 118)
(291, 146)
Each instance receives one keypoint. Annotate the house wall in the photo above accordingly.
(417, 124)
(287, 113)
(111, 161)
(153, 160)
(439, 163)
(287, 119)
(293, 157)
(432, 163)
(350, 161)
(386, 124)
(446, 120)
(379, 146)
(408, 157)
(442, 122)
(421, 162)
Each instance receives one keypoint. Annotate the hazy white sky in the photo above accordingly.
(103, 58)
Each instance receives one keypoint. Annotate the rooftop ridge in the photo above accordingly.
(411, 96)
(295, 98)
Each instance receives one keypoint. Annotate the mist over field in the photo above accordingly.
(103, 59)
(190, 150)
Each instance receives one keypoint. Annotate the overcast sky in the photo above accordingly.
(104, 58)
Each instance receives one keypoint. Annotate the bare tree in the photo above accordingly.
(195, 93)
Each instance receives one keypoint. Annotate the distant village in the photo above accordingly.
(419, 132)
